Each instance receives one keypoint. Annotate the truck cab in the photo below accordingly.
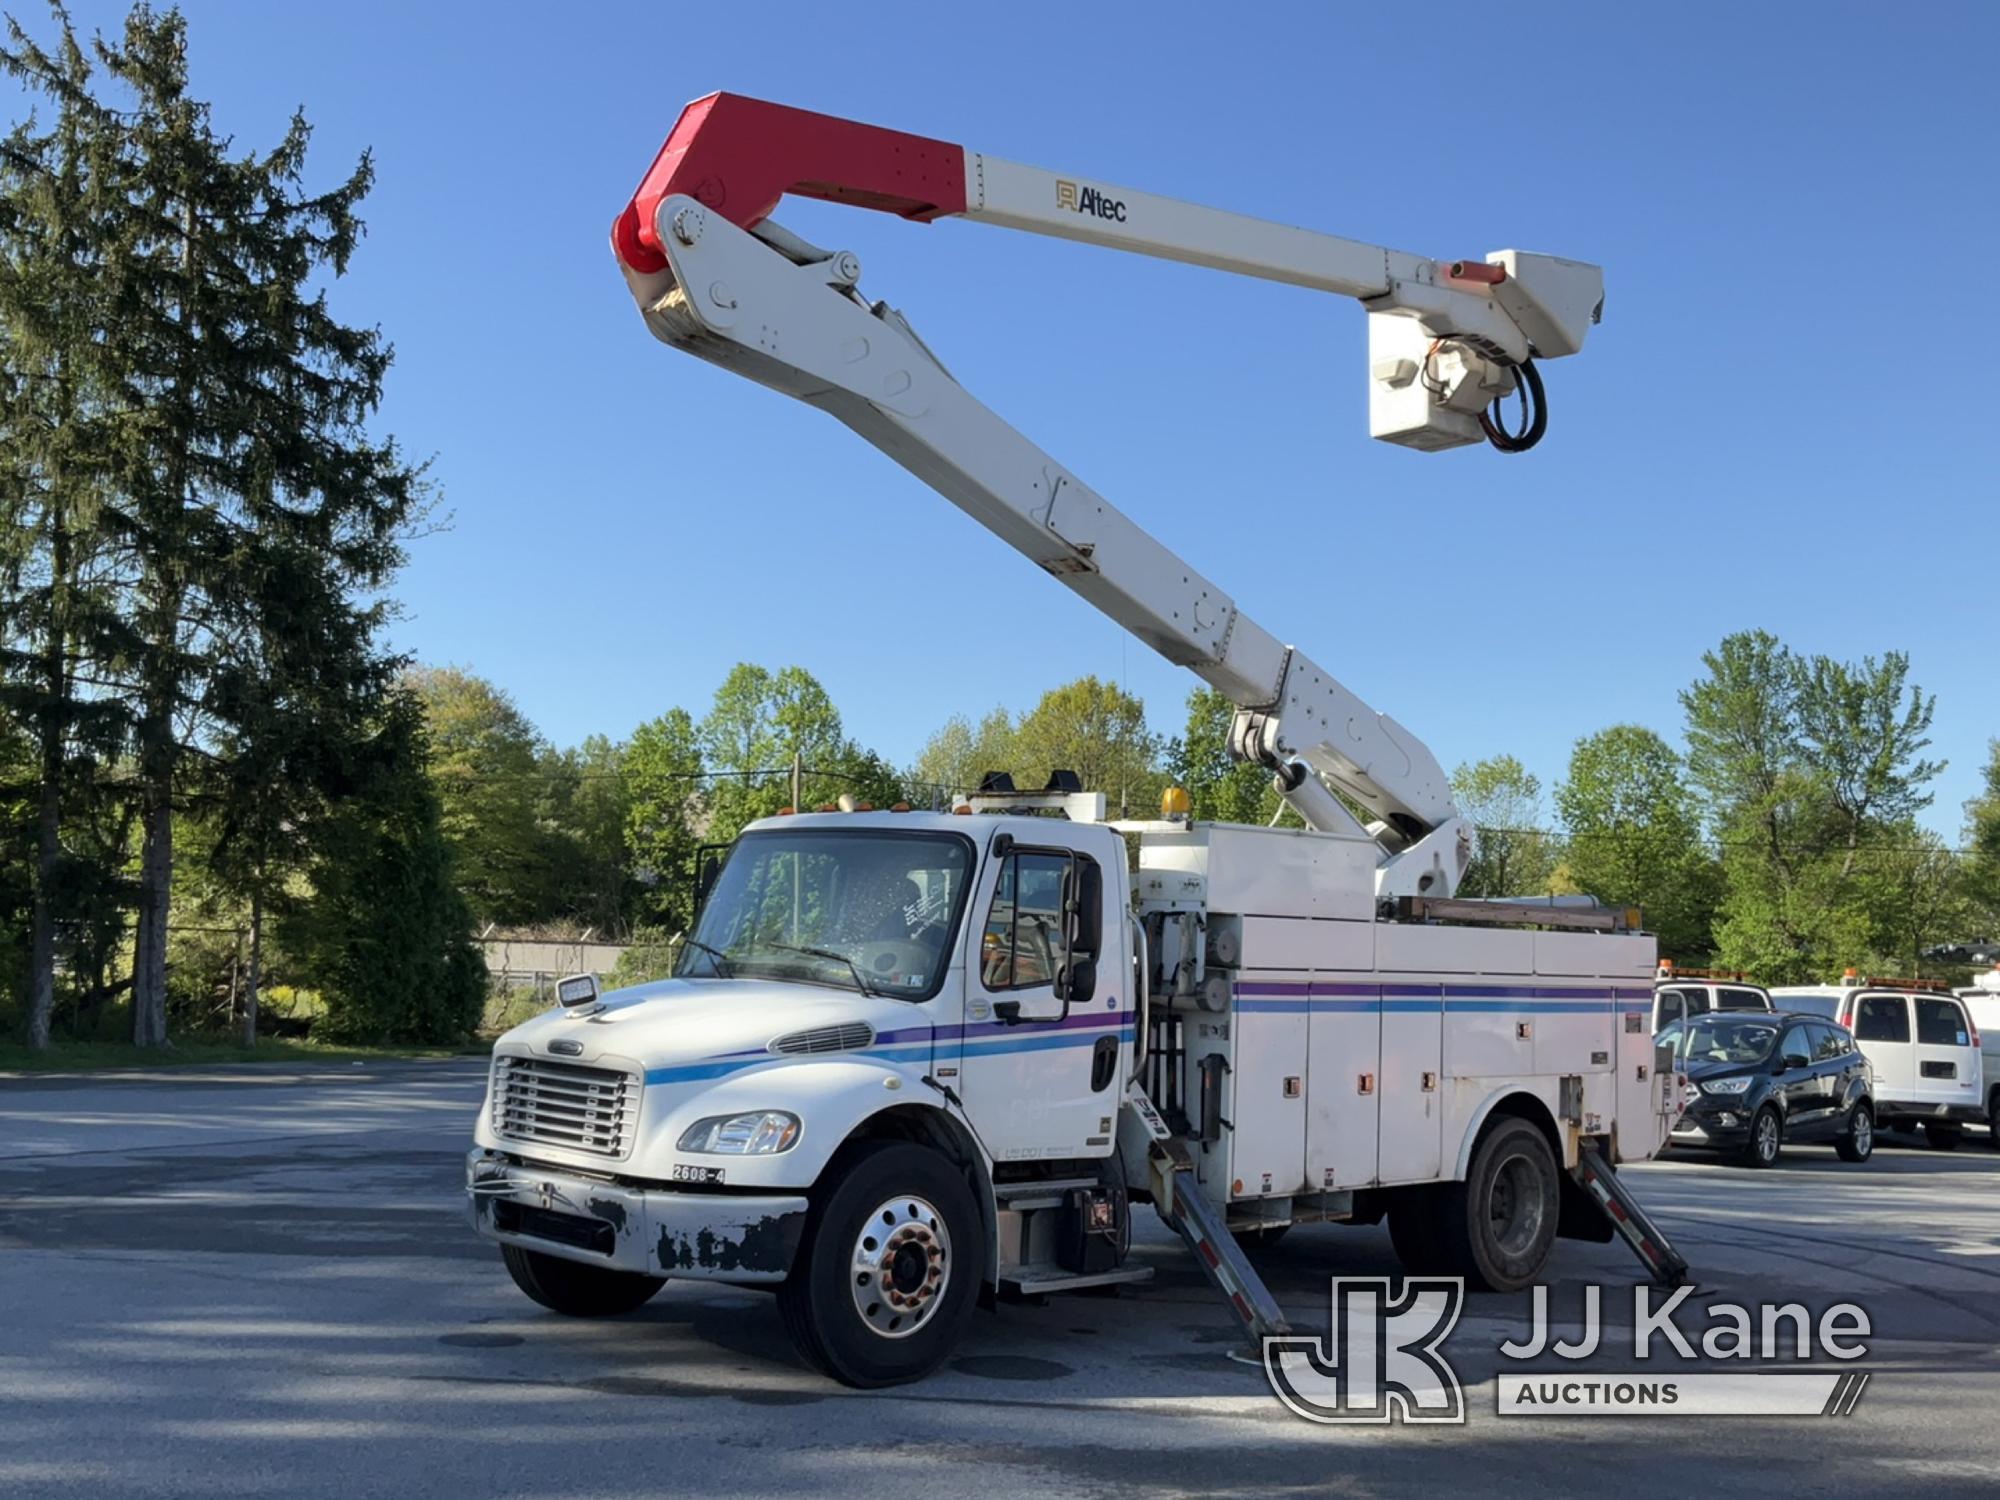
(889, 1007)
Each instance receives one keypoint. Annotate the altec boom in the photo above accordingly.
(1449, 341)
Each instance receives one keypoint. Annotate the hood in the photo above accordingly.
(679, 1021)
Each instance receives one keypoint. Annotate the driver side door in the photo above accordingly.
(1037, 1089)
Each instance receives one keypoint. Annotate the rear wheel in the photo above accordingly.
(575, 1289)
(1943, 1135)
(889, 1269)
(1767, 1139)
(1857, 1138)
(1497, 1227)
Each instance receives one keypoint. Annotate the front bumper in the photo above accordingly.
(650, 1231)
(1721, 1127)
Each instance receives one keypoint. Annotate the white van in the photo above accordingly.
(1983, 1001)
(1920, 1040)
(1682, 994)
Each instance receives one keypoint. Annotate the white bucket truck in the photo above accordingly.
(910, 1058)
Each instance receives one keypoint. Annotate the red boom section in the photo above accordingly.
(739, 156)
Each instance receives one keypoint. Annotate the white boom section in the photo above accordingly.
(1078, 208)
(797, 325)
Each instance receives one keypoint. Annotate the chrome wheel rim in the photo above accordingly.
(900, 1267)
(1767, 1136)
(1864, 1132)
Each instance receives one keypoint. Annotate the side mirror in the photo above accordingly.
(1082, 982)
(1793, 1060)
(1083, 906)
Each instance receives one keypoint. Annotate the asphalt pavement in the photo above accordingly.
(257, 1282)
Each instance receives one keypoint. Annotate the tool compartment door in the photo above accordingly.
(1267, 1098)
(1412, 1082)
(1343, 1084)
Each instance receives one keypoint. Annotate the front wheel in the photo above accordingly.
(1857, 1140)
(889, 1269)
(1497, 1227)
(576, 1290)
(1767, 1139)
(1993, 1120)
(1942, 1136)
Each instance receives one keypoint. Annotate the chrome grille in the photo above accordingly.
(545, 1103)
(849, 1038)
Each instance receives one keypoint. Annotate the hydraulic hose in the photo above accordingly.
(1534, 414)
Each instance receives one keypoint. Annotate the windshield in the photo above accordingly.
(1727, 1039)
(1818, 1005)
(864, 909)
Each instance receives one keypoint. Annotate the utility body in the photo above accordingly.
(912, 1059)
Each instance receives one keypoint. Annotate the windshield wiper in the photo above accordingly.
(860, 983)
(716, 956)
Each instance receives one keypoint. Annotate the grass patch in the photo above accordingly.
(67, 1057)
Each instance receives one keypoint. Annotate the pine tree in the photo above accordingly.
(62, 636)
(242, 447)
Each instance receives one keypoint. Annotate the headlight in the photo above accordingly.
(765, 1132)
(1726, 1086)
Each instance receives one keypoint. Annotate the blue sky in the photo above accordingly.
(1783, 421)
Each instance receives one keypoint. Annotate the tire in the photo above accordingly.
(1415, 1233)
(1497, 1227)
(1993, 1120)
(1250, 1241)
(1857, 1138)
(1767, 1139)
(1942, 1135)
(576, 1290)
(922, 1267)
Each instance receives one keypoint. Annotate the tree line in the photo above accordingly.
(1779, 836)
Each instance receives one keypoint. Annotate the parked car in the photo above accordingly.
(1982, 1002)
(1681, 993)
(1921, 1042)
(1759, 1081)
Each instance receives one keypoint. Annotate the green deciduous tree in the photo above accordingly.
(487, 763)
(764, 722)
(1513, 851)
(1809, 771)
(955, 758)
(663, 790)
(1098, 730)
(1634, 836)
(1222, 789)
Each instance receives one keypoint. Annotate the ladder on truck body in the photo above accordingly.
(1203, 1225)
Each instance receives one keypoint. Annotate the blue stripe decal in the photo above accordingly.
(1042, 1040)
(1430, 999)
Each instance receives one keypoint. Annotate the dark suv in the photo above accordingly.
(1757, 1081)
